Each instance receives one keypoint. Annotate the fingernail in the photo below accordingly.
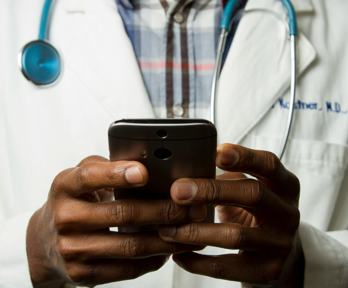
(133, 175)
(167, 231)
(229, 156)
(197, 212)
(186, 190)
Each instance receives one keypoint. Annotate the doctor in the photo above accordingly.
(45, 131)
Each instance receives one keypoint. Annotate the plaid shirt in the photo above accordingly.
(175, 42)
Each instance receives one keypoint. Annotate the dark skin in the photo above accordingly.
(68, 239)
(260, 217)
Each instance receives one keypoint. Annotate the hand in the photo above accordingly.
(260, 217)
(68, 239)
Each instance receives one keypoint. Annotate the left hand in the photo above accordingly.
(258, 217)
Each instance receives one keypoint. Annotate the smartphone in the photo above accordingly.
(170, 149)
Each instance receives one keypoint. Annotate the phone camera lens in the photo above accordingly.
(162, 133)
(162, 154)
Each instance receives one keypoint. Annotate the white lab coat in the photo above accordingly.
(46, 130)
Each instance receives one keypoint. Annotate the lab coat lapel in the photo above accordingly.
(257, 70)
(102, 56)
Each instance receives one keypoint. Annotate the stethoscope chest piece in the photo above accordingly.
(40, 62)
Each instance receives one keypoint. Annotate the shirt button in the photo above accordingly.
(178, 110)
(179, 17)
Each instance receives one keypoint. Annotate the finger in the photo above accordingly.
(231, 176)
(101, 195)
(112, 270)
(87, 247)
(247, 268)
(97, 175)
(261, 164)
(250, 194)
(228, 236)
(87, 216)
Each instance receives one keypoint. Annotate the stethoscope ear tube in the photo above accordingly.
(292, 17)
(227, 15)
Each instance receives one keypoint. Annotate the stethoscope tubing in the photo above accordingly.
(43, 32)
(225, 26)
(292, 95)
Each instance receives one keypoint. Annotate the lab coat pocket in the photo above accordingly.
(320, 167)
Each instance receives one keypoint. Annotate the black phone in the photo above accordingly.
(170, 149)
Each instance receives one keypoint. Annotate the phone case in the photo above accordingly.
(170, 149)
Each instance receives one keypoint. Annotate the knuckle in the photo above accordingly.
(237, 236)
(63, 220)
(211, 190)
(122, 213)
(57, 185)
(167, 212)
(115, 174)
(294, 221)
(66, 249)
(83, 177)
(132, 247)
(246, 159)
(258, 194)
(83, 277)
(292, 216)
(191, 232)
(273, 163)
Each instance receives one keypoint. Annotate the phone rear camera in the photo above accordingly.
(162, 133)
(162, 154)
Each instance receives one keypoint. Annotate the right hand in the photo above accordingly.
(68, 239)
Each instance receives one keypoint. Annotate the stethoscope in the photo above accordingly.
(40, 62)
(225, 26)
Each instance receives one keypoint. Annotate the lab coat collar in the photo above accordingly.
(257, 69)
(302, 6)
(102, 57)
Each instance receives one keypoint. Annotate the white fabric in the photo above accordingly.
(43, 131)
(326, 258)
(13, 262)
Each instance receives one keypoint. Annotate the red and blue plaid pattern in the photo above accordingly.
(176, 59)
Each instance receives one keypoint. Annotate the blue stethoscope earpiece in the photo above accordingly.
(40, 62)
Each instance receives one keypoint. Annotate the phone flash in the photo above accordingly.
(143, 153)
